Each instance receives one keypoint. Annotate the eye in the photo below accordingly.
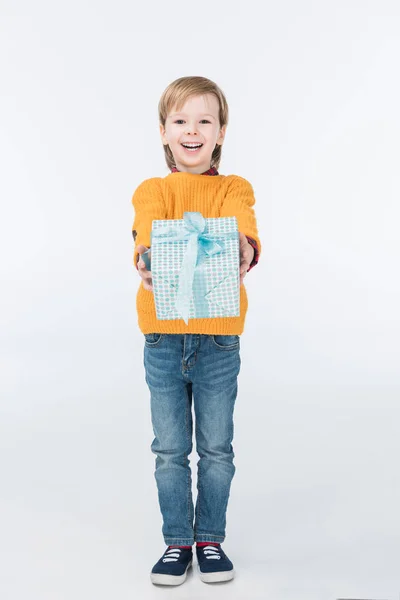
(178, 121)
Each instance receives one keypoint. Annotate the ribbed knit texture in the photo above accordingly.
(168, 198)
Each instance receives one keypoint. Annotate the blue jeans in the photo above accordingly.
(177, 367)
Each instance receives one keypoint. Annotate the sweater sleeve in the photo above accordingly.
(148, 204)
(239, 202)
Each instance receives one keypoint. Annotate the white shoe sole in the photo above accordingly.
(217, 576)
(161, 579)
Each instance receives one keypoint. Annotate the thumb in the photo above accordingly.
(140, 248)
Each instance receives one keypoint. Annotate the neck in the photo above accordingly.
(197, 170)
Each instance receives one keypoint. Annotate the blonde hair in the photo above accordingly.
(177, 93)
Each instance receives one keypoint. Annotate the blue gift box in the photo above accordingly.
(195, 267)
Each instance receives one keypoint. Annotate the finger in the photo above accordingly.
(143, 270)
(146, 276)
(244, 242)
(244, 266)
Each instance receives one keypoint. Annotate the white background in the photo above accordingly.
(313, 91)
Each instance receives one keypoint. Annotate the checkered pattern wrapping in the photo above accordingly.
(220, 280)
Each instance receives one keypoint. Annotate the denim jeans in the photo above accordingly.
(180, 367)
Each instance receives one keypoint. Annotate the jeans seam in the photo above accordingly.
(153, 344)
(180, 541)
(198, 484)
(227, 348)
(187, 458)
(222, 537)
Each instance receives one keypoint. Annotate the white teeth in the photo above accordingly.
(192, 145)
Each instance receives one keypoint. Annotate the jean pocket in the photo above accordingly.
(152, 339)
(226, 342)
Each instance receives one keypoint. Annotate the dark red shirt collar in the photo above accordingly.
(210, 171)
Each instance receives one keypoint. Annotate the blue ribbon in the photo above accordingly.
(200, 246)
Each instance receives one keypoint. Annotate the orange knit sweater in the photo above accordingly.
(168, 198)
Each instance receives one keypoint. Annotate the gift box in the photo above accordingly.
(195, 267)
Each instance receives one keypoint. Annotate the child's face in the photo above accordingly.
(198, 122)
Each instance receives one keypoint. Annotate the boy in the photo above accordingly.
(201, 359)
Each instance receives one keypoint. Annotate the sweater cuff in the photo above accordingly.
(134, 235)
(253, 243)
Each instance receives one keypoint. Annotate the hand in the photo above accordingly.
(143, 272)
(246, 256)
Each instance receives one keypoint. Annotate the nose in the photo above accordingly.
(191, 128)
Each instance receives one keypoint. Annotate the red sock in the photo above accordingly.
(200, 544)
(187, 547)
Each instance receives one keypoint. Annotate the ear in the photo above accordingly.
(221, 135)
(163, 135)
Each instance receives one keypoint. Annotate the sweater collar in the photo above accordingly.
(210, 171)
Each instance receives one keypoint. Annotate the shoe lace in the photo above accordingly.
(172, 555)
(213, 551)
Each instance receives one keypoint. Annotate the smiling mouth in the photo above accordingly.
(192, 147)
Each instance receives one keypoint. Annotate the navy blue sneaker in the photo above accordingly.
(213, 564)
(172, 567)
